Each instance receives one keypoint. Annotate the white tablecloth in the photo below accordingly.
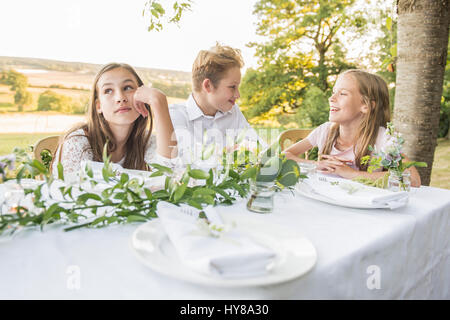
(408, 248)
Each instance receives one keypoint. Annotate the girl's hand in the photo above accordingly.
(151, 96)
(336, 159)
(345, 171)
(336, 165)
(329, 163)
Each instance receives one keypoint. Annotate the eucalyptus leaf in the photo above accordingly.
(157, 174)
(203, 191)
(195, 204)
(160, 194)
(161, 168)
(210, 179)
(148, 193)
(249, 173)
(60, 171)
(289, 166)
(106, 174)
(124, 178)
(204, 199)
(185, 178)
(233, 174)
(198, 174)
(179, 192)
(38, 165)
(289, 179)
(86, 196)
(269, 172)
(136, 218)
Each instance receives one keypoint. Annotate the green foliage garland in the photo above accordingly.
(127, 200)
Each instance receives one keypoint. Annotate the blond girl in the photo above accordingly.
(359, 112)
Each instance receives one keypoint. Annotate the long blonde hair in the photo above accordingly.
(98, 132)
(375, 95)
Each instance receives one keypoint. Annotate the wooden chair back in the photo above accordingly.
(291, 136)
(49, 143)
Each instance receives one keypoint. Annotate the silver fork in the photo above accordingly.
(189, 211)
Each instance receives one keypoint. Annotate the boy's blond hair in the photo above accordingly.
(212, 64)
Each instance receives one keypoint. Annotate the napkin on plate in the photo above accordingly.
(355, 194)
(230, 255)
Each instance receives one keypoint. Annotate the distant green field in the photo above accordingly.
(23, 140)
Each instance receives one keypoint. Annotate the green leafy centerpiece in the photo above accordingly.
(391, 158)
(273, 172)
(119, 197)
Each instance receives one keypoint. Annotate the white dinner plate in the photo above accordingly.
(295, 254)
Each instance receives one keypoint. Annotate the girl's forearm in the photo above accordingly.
(370, 175)
(291, 156)
(165, 137)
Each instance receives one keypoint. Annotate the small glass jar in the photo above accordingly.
(399, 181)
(261, 197)
(307, 168)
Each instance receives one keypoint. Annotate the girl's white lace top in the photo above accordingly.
(76, 148)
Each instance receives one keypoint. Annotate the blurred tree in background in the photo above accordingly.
(18, 82)
(444, 116)
(303, 49)
(173, 90)
(51, 101)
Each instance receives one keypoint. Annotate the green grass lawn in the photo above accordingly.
(440, 176)
(10, 140)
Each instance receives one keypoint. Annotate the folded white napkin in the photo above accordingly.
(229, 255)
(355, 194)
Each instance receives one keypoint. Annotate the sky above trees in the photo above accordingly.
(102, 31)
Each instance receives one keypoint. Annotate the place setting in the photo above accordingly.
(229, 250)
(348, 193)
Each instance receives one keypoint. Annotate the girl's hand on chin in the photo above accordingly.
(151, 96)
(141, 108)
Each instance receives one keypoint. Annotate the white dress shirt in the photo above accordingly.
(226, 129)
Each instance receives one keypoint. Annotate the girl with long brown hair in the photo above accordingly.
(112, 119)
(359, 112)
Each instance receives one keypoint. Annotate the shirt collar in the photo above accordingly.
(194, 111)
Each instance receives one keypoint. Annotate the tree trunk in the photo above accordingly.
(422, 55)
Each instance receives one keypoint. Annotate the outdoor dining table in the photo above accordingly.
(361, 254)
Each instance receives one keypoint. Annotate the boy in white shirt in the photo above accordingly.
(210, 114)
